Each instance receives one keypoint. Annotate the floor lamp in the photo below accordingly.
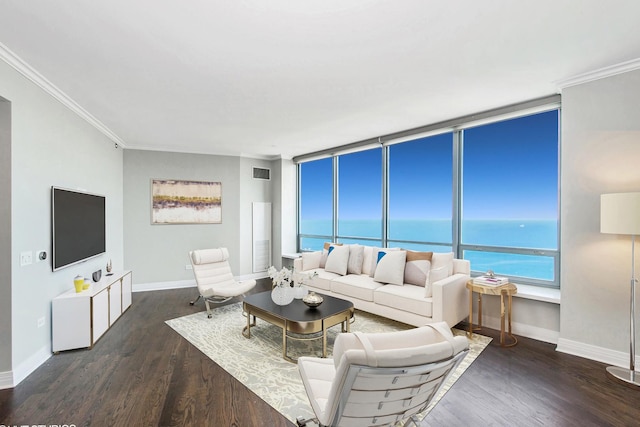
(620, 214)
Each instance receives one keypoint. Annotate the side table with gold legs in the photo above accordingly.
(508, 290)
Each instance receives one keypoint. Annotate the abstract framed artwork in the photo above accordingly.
(185, 202)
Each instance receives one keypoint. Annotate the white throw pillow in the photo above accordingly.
(356, 257)
(338, 260)
(323, 258)
(434, 275)
(416, 270)
(443, 259)
(325, 252)
(311, 260)
(376, 257)
(366, 260)
(390, 268)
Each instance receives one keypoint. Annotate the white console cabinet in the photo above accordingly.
(80, 319)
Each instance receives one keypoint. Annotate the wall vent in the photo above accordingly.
(261, 173)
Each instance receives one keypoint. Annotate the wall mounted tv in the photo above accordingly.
(77, 226)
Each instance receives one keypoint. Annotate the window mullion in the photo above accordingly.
(385, 196)
(334, 226)
(456, 204)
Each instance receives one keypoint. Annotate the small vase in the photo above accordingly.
(299, 292)
(282, 295)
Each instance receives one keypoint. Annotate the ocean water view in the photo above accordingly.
(407, 234)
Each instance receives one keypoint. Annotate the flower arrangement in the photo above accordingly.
(284, 277)
(281, 278)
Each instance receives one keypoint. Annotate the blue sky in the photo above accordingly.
(511, 169)
(510, 172)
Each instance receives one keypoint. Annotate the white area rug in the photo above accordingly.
(258, 364)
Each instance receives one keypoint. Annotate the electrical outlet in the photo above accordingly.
(26, 258)
(41, 255)
(188, 267)
(41, 322)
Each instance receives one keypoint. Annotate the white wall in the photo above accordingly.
(5, 237)
(600, 153)
(284, 208)
(51, 145)
(288, 210)
(158, 253)
(252, 190)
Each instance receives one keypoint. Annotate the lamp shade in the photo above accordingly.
(620, 213)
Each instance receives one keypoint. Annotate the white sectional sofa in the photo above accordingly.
(411, 287)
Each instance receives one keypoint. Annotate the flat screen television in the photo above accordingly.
(77, 226)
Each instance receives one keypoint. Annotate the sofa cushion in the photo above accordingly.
(355, 285)
(390, 268)
(443, 259)
(416, 270)
(311, 260)
(437, 274)
(409, 298)
(322, 280)
(337, 260)
(356, 257)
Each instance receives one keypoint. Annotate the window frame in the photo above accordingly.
(507, 113)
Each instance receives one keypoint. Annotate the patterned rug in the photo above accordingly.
(258, 364)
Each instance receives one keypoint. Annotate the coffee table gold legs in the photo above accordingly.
(300, 331)
(246, 331)
(284, 343)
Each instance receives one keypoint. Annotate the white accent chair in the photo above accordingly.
(214, 278)
(379, 379)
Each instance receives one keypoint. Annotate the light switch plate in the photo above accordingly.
(26, 258)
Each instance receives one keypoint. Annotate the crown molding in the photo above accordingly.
(601, 73)
(30, 73)
(209, 152)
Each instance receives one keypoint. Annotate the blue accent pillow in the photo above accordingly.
(330, 249)
(380, 255)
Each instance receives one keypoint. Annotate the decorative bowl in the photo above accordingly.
(312, 299)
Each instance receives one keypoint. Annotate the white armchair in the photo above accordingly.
(381, 378)
(215, 281)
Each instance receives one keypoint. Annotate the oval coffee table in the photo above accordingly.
(297, 320)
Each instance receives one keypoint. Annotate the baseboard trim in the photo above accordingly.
(179, 284)
(593, 352)
(27, 367)
(6, 380)
(161, 286)
(524, 330)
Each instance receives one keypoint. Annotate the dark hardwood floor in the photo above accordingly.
(143, 373)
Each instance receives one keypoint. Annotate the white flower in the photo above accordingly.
(303, 278)
(280, 278)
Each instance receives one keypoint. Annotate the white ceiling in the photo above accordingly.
(270, 78)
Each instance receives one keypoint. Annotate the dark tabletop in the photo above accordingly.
(297, 310)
